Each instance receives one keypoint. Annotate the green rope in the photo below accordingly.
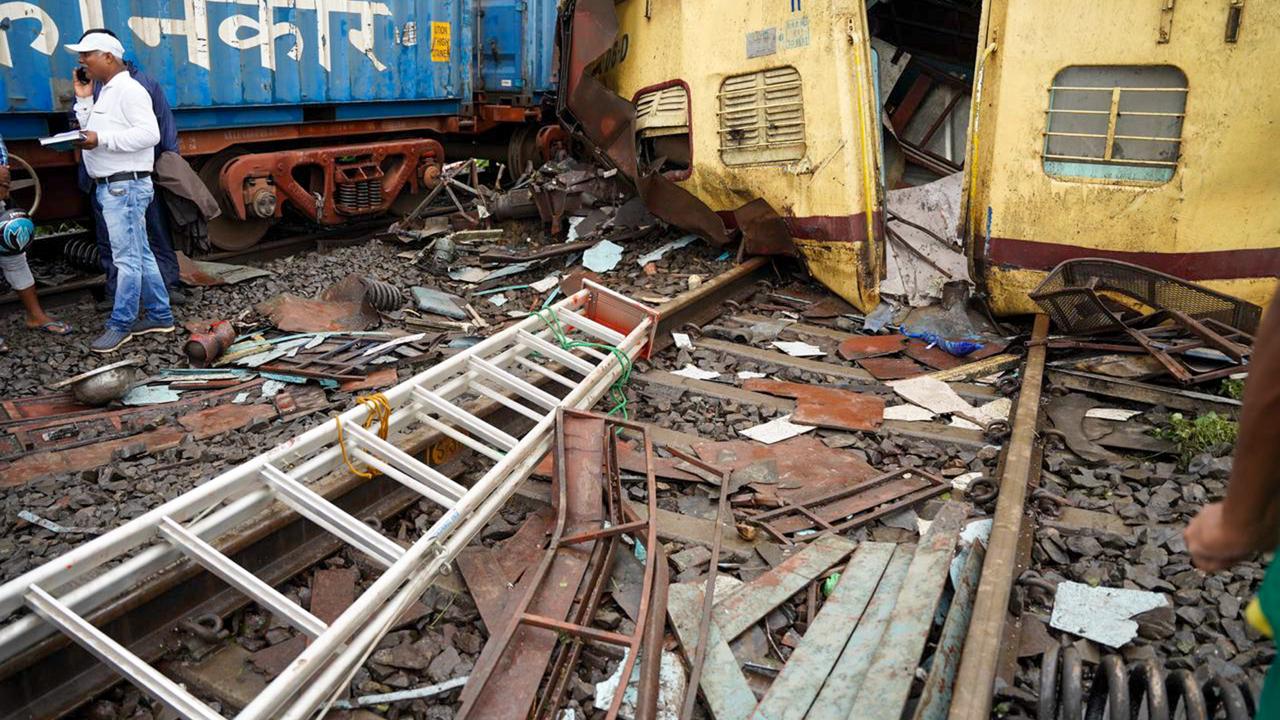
(618, 389)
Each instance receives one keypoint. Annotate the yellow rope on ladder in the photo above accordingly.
(379, 408)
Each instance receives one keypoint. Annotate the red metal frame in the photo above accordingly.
(389, 165)
(674, 175)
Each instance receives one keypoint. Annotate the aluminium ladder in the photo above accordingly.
(503, 368)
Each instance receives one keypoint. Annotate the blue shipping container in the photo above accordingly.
(228, 63)
(514, 50)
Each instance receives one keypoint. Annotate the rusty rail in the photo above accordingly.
(976, 677)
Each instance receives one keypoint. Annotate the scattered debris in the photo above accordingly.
(798, 349)
(776, 430)
(602, 257)
(1101, 614)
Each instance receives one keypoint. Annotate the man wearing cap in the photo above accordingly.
(120, 133)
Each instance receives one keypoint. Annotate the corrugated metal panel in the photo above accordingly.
(515, 50)
(236, 53)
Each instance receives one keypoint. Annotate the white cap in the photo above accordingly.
(98, 42)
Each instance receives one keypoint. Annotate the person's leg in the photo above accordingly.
(103, 241)
(126, 230)
(18, 274)
(155, 294)
(161, 242)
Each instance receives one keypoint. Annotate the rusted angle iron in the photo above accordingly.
(587, 490)
(850, 507)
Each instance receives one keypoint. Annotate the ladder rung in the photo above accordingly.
(239, 578)
(462, 437)
(506, 401)
(390, 471)
(592, 352)
(100, 645)
(465, 419)
(497, 374)
(546, 372)
(590, 327)
(315, 508)
(564, 357)
(416, 469)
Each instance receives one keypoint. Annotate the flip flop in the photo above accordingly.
(53, 327)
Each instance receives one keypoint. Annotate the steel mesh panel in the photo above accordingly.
(1072, 296)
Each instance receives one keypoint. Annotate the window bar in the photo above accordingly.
(1122, 161)
(1111, 123)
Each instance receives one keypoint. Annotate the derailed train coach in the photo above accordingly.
(329, 110)
(1127, 130)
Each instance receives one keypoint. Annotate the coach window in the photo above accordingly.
(1118, 123)
(662, 129)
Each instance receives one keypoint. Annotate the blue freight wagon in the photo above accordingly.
(326, 108)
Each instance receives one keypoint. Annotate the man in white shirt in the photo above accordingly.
(120, 133)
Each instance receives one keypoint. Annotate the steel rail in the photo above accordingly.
(976, 678)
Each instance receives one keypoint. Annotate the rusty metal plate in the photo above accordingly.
(522, 661)
(939, 359)
(291, 313)
(826, 407)
(891, 368)
(792, 467)
(866, 346)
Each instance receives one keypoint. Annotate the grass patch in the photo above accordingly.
(1211, 433)
(1232, 388)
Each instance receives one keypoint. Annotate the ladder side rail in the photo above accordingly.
(422, 562)
(28, 630)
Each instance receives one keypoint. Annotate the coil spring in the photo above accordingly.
(359, 195)
(382, 295)
(82, 254)
(1119, 692)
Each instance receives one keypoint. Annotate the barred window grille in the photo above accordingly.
(1115, 122)
(761, 117)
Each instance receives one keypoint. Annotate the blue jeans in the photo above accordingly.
(157, 236)
(124, 208)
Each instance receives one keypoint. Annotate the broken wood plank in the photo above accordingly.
(835, 701)
(796, 687)
(723, 685)
(816, 331)
(978, 368)
(751, 602)
(887, 683)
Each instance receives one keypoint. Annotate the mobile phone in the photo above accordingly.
(82, 75)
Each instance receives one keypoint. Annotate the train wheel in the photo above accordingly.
(226, 232)
(24, 185)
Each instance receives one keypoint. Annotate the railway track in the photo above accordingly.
(54, 676)
(300, 242)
